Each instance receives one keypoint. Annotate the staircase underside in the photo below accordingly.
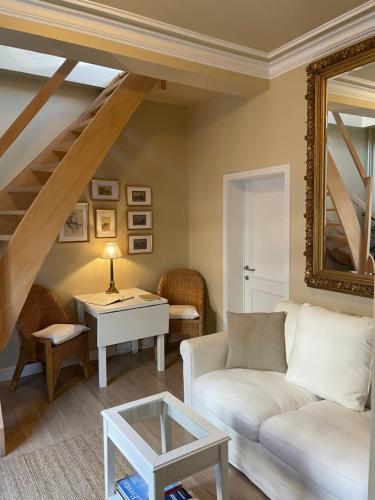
(35, 205)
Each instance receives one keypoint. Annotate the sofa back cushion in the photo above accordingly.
(292, 311)
(331, 356)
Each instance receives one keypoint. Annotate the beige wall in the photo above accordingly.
(229, 134)
(151, 151)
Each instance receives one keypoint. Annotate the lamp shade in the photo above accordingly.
(111, 251)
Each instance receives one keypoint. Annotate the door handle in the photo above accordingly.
(247, 268)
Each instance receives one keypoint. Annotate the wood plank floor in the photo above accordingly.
(31, 422)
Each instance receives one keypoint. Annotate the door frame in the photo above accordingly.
(246, 176)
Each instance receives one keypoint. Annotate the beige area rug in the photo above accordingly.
(70, 470)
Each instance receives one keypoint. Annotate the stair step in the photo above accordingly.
(95, 108)
(115, 84)
(46, 167)
(25, 189)
(334, 224)
(63, 147)
(13, 212)
(340, 239)
(80, 127)
(331, 210)
(5, 237)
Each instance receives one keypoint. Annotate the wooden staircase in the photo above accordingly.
(347, 242)
(36, 203)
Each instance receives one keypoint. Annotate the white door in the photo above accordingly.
(266, 252)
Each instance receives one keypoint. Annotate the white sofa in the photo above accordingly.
(286, 440)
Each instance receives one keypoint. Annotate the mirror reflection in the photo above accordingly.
(350, 151)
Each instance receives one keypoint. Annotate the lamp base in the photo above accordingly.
(112, 288)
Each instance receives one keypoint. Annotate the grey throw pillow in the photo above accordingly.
(256, 341)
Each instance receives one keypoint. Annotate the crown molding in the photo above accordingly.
(91, 18)
(352, 86)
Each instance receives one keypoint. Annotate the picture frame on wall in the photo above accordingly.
(105, 223)
(139, 243)
(138, 196)
(138, 219)
(105, 189)
(76, 226)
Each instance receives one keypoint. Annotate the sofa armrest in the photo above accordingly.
(202, 355)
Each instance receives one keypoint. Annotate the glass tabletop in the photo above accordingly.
(163, 425)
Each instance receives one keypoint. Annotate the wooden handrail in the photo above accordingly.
(350, 145)
(35, 105)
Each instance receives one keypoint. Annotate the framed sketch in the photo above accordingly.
(103, 190)
(138, 195)
(105, 223)
(139, 220)
(76, 227)
(140, 243)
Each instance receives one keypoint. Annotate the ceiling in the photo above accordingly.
(259, 24)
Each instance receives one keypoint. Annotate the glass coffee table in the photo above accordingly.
(165, 441)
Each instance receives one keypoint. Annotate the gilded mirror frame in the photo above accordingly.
(317, 74)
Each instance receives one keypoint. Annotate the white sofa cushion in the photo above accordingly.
(326, 443)
(244, 398)
(60, 333)
(292, 311)
(183, 312)
(331, 356)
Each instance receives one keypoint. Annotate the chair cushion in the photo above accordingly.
(326, 443)
(60, 333)
(243, 399)
(331, 356)
(183, 312)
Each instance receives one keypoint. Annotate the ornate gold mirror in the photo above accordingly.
(340, 202)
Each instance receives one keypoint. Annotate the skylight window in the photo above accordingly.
(36, 63)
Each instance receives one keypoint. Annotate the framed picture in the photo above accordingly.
(105, 223)
(76, 227)
(140, 243)
(139, 220)
(105, 190)
(138, 195)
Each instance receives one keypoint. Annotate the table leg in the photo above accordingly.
(80, 313)
(109, 464)
(156, 489)
(165, 430)
(160, 353)
(2, 435)
(134, 346)
(221, 473)
(102, 366)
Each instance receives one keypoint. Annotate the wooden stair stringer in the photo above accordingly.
(37, 231)
(345, 211)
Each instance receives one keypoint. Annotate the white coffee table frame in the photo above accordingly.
(209, 449)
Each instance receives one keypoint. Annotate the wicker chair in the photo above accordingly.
(183, 287)
(41, 310)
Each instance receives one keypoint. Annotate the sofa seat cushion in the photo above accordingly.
(326, 443)
(244, 398)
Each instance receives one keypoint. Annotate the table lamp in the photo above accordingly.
(111, 251)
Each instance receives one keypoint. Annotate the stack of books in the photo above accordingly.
(133, 487)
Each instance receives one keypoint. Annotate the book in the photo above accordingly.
(104, 299)
(150, 297)
(133, 487)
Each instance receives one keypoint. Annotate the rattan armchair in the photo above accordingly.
(41, 310)
(183, 287)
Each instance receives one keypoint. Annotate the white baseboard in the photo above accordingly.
(33, 368)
